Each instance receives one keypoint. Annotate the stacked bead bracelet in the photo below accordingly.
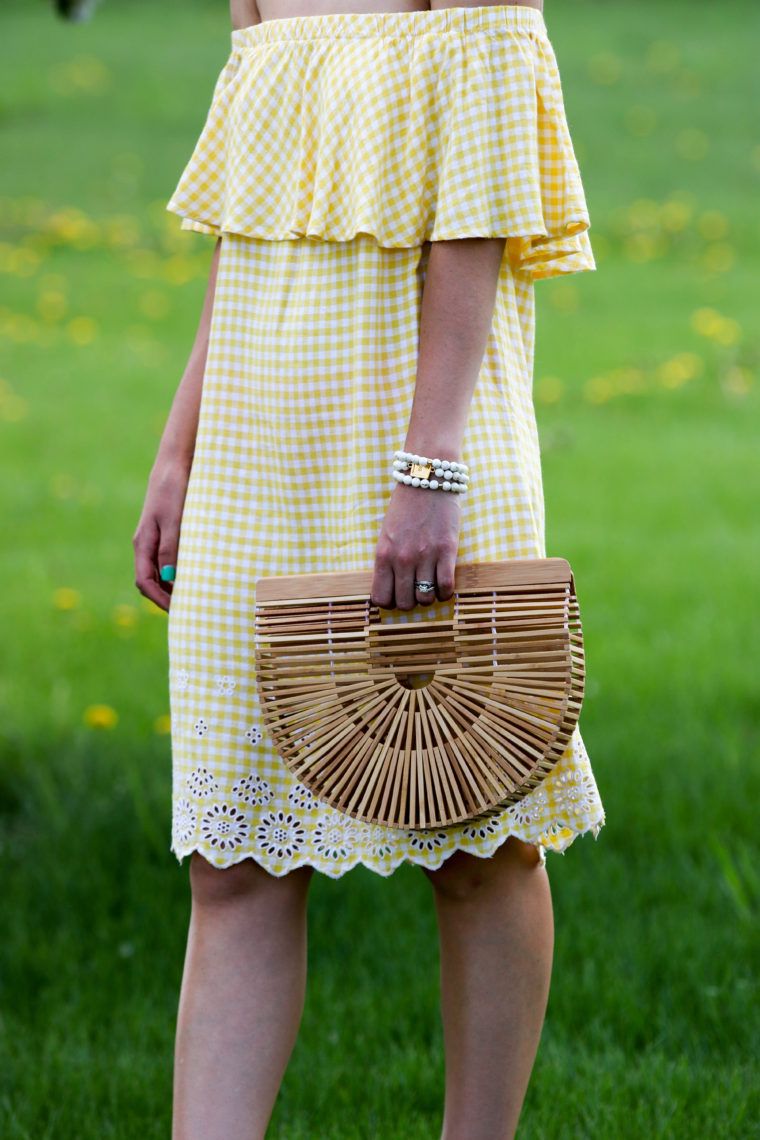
(430, 474)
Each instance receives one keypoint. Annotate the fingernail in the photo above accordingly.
(168, 573)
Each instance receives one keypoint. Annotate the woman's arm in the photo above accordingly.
(420, 531)
(157, 536)
(244, 14)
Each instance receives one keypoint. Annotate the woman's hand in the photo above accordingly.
(418, 542)
(157, 536)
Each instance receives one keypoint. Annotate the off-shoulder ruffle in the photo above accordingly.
(410, 127)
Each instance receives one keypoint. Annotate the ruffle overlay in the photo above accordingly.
(409, 127)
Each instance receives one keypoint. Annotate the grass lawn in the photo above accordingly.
(647, 393)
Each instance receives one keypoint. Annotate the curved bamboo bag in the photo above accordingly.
(422, 724)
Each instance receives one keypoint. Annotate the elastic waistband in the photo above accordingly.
(493, 20)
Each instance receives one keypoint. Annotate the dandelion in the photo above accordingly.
(719, 258)
(124, 617)
(675, 216)
(643, 247)
(13, 408)
(66, 598)
(100, 716)
(706, 321)
(680, 369)
(710, 323)
(51, 305)
(728, 332)
(598, 390)
(549, 389)
(178, 270)
(162, 725)
(122, 231)
(712, 225)
(82, 331)
(628, 380)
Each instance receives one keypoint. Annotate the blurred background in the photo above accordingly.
(647, 394)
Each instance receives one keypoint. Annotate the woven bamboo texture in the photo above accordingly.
(422, 724)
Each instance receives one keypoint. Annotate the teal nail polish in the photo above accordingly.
(168, 573)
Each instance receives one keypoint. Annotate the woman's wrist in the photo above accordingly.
(434, 445)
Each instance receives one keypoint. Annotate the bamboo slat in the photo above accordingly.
(422, 724)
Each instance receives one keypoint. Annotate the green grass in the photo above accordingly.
(646, 383)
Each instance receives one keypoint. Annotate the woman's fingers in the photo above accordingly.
(444, 575)
(425, 584)
(148, 560)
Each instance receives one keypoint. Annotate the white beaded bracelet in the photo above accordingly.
(416, 470)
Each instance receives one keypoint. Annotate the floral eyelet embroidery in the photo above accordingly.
(280, 835)
(302, 798)
(224, 826)
(573, 792)
(378, 842)
(181, 680)
(254, 735)
(225, 684)
(335, 835)
(483, 829)
(428, 840)
(201, 782)
(185, 822)
(531, 809)
(253, 790)
(200, 728)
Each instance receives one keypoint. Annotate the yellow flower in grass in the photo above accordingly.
(100, 716)
(549, 389)
(710, 323)
(65, 598)
(162, 725)
(675, 215)
(124, 618)
(598, 390)
(712, 225)
(680, 369)
(82, 331)
(719, 257)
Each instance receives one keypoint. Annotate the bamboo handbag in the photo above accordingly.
(422, 724)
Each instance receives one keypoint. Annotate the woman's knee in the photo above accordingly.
(220, 886)
(464, 876)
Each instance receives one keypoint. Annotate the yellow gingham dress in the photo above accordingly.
(337, 147)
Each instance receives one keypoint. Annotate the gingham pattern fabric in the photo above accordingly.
(312, 355)
(412, 127)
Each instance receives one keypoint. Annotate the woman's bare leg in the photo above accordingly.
(242, 998)
(497, 937)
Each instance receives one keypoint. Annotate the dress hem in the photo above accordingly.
(556, 839)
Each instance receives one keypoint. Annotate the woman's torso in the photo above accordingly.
(247, 12)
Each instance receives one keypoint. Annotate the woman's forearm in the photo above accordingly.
(178, 439)
(457, 311)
